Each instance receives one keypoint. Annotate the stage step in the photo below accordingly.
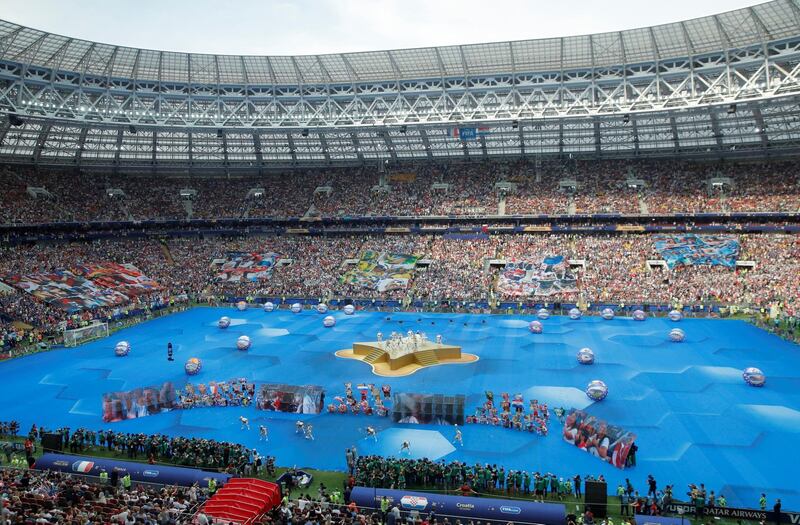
(427, 358)
(374, 355)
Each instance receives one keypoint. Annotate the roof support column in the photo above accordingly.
(120, 131)
(225, 148)
(674, 127)
(189, 146)
(715, 129)
(81, 143)
(426, 142)
(324, 143)
(597, 148)
(4, 130)
(154, 157)
(761, 127)
(357, 146)
(387, 138)
(257, 147)
(290, 139)
(40, 140)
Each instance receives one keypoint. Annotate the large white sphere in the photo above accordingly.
(535, 327)
(675, 316)
(243, 343)
(296, 308)
(268, 306)
(349, 309)
(241, 306)
(322, 308)
(224, 322)
(575, 314)
(607, 314)
(676, 335)
(639, 315)
(329, 321)
(122, 349)
(596, 390)
(585, 356)
(754, 376)
(543, 313)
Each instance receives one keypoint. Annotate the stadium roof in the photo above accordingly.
(741, 28)
(713, 85)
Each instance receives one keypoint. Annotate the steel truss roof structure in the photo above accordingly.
(728, 81)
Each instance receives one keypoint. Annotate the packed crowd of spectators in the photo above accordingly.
(609, 269)
(33, 497)
(466, 188)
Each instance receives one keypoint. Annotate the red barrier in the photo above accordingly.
(243, 500)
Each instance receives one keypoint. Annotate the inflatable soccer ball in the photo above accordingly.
(575, 314)
(607, 314)
(638, 315)
(243, 343)
(349, 309)
(296, 308)
(585, 356)
(224, 322)
(241, 306)
(544, 313)
(322, 308)
(675, 316)
(122, 349)
(596, 390)
(329, 321)
(193, 366)
(535, 327)
(754, 376)
(676, 335)
(268, 306)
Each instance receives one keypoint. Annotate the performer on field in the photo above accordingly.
(372, 433)
(262, 431)
(406, 446)
(298, 427)
(309, 431)
(459, 438)
(245, 423)
(169, 352)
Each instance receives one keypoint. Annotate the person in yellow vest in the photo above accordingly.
(212, 486)
(126, 482)
(104, 477)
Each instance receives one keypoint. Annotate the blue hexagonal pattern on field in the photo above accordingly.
(694, 417)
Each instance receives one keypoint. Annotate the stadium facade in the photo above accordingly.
(722, 85)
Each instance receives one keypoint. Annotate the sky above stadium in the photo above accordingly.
(281, 27)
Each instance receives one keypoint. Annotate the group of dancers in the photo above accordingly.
(405, 447)
(512, 413)
(349, 403)
(305, 429)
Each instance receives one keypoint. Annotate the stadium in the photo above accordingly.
(545, 281)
